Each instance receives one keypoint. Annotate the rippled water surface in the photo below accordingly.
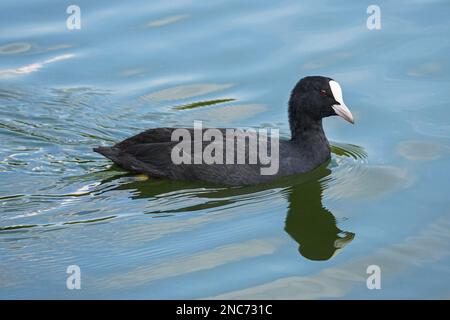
(381, 200)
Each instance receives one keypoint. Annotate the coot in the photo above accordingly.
(167, 152)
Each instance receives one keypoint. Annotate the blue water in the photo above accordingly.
(382, 200)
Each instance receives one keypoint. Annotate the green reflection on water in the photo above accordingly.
(307, 221)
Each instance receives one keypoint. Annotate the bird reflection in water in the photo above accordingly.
(307, 221)
(311, 225)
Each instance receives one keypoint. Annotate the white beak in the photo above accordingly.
(340, 109)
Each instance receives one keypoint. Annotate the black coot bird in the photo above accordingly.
(312, 99)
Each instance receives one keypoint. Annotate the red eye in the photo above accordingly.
(323, 93)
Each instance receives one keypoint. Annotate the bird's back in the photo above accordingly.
(151, 152)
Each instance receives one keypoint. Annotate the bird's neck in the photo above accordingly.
(308, 134)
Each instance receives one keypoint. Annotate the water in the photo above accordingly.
(382, 200)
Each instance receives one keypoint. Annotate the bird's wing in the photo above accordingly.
(155, 135)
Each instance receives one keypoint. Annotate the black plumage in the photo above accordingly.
(312, 99)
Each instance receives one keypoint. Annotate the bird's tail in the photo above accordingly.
(128, 161)
(108, 152)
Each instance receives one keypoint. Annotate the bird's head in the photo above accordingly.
(317, 97)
